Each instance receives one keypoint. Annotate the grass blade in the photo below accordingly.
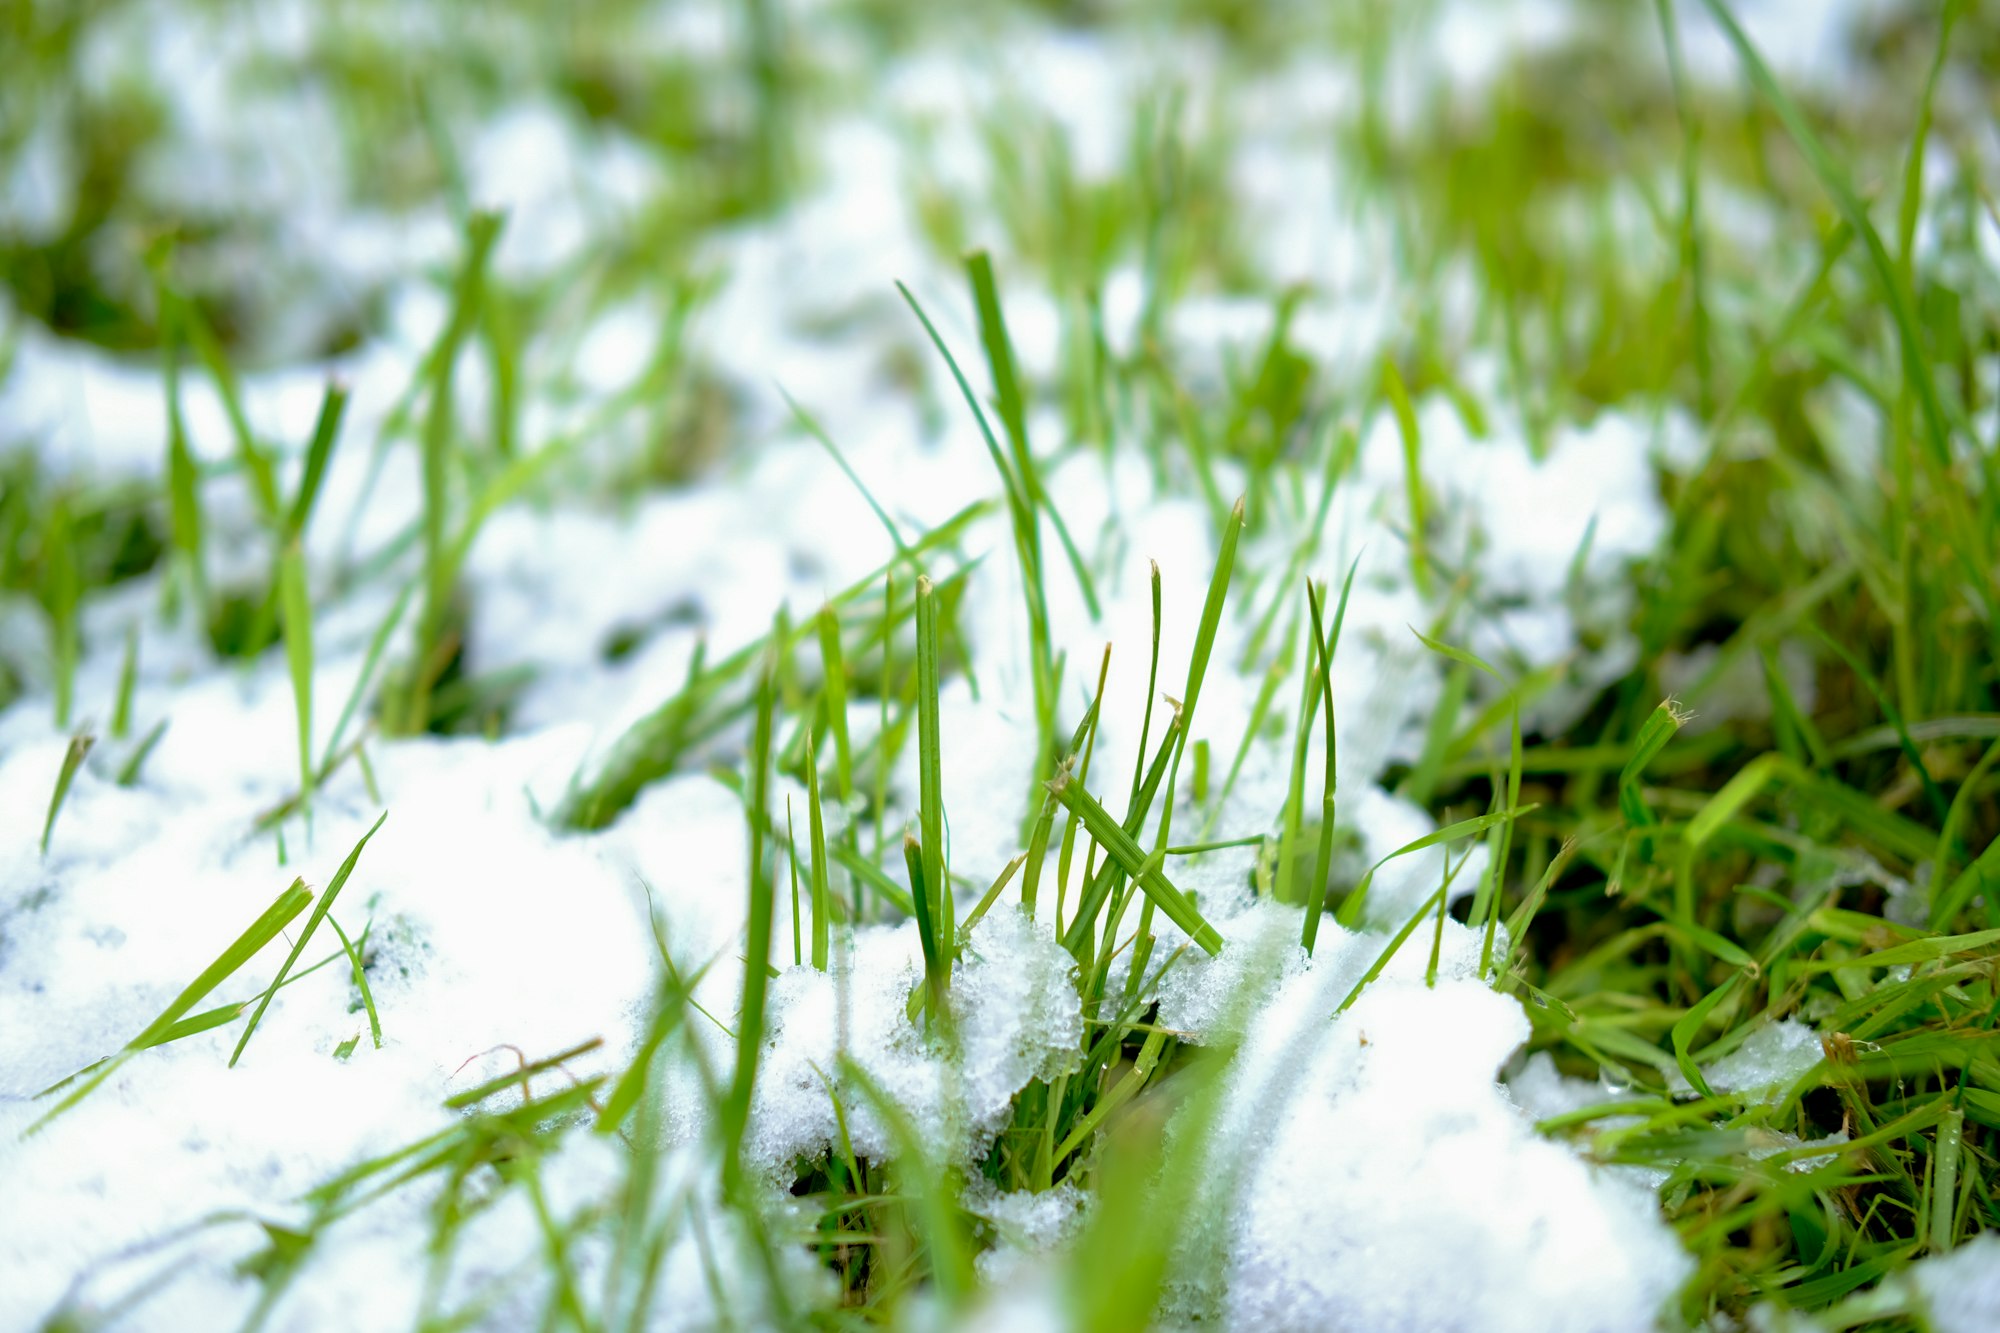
(734, 1113)
(62, 591)
(833, 666)
(822, 886)
(326, 433)
(1144, 870)
(73, 757)
(930, 771)
(320, 909)
(1413, 477)
(295, 605)
(481, 232)
(1653, 737)
(245, 947)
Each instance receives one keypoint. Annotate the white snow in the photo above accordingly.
(1959, 1292)
(1381, 1175)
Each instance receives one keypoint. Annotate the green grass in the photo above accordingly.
(1665, 875)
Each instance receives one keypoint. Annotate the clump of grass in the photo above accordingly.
(319, 913)
(175, 1021)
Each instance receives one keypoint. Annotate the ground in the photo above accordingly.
(1097, 665)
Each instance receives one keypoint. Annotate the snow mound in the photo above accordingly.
(1382, 1178)
(1015, 1018)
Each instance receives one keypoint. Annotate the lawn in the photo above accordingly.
(1095, 665)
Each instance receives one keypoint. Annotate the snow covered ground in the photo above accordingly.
(1369, 1164)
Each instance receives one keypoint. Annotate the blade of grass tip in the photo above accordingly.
(183, 477)
(822, 881)
(296, 606)
(1729, 801)
(999, 350)
(1152, 682)
(734, 1117)
(1916, 365)
(73, 757)
(522, 1076)
(245, 947)
(1666, 719)
(128, 773)
(1324, 646)
(1008, 399)
(320, 909)
(63, 591)
(1413, 477)
(833, 665)
(814, 429)
(1295, 786)
(930, 769)
(128, 685)
(319, 453)
(992, 894)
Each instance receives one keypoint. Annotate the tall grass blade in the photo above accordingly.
(320, 909)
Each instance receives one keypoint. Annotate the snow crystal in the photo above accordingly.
(1769, 1060)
